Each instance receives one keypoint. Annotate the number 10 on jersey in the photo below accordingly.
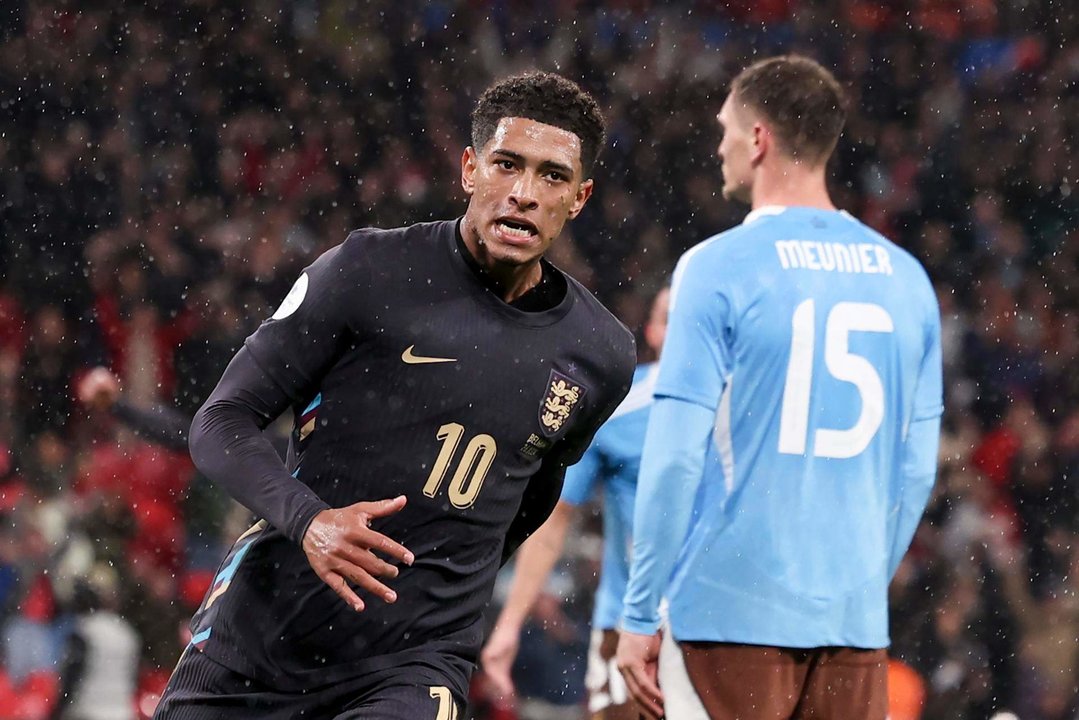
(843, 319)
(471, 471)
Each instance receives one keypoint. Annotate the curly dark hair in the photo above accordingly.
(802, 101)
(547, 98)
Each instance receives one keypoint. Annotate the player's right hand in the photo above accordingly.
(637, 657)
(340, 545)
(497, 659)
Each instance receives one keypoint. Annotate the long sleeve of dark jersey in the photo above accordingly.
(227, 445)
(540, 497)
(545, 487)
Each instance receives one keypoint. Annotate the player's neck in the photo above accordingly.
(791, 185)
(512, 281)
(509, 281)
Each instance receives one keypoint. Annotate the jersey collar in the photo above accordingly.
(762, 211)
(539, 318)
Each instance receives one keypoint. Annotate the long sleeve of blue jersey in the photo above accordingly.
(671, 466)
(919, 472)
(921, 441)
(692, 375)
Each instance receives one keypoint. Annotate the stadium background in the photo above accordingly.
(166, 169)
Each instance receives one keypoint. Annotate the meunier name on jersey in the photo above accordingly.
(865, 258)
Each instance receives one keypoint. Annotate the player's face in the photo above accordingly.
(735, 151)
(524, 185)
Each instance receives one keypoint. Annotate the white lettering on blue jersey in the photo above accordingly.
(833, 257)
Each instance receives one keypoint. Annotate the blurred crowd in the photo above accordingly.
(166, 170)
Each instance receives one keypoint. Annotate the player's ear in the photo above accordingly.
(584, 191)
(761, 143)
(468, 170)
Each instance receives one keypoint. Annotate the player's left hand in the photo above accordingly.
(341, 546)
(637, 659)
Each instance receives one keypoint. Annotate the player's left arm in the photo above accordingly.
(545, 487)
(534, 562)
(918, 464)
(538, 556)
(538, 502)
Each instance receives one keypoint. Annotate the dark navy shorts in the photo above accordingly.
(202, 689)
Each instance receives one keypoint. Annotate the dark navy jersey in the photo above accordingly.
(406, 375)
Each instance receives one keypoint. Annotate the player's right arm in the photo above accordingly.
(280, 365)
(228, 446)
(693, 368)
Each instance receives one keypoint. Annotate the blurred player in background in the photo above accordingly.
(792, 445)
(99, 391)
(610, 464)
(441, 377)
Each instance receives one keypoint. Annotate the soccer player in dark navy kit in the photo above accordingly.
(442, 377)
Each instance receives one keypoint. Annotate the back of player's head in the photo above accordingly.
(547, 98)
(799, 99)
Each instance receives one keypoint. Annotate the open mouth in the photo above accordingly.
(516, 228)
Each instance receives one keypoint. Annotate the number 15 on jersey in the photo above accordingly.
(843, 319)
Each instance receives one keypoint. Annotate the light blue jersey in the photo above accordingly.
(611, 463)
(793, 442)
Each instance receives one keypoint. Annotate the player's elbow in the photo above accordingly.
(198, 437)
(211, 428)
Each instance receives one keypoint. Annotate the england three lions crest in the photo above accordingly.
(563, 394)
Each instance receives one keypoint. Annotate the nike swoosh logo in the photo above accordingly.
(412, 359)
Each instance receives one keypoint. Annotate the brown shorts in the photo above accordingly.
(755, 682)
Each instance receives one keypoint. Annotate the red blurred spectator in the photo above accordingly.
(139, 342)
(152, 482)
